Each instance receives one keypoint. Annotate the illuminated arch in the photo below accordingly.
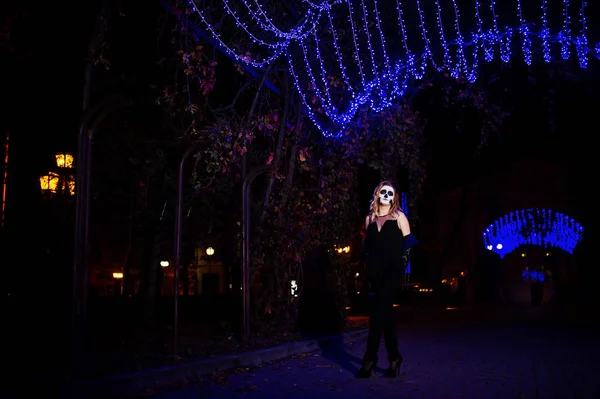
(534, 226)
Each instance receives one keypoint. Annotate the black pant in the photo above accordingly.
(381, 322)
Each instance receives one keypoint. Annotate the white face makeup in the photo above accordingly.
(386, 195)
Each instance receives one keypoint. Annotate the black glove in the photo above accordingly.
(406, 257)
(409, 242)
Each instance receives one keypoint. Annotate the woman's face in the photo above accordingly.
(386, 195)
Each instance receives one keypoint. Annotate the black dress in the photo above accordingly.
(385, 267)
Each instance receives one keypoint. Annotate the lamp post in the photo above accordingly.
(119, 276)
(57, 182)
(164, 264)
(210, 252)
(57, 188)
(178, 225)
(246, 194)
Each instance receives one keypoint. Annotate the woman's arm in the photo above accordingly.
(403, 224)
(409, 239)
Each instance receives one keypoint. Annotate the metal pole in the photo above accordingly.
(4, 184)
(177, 249)
(246, 193)
(88, 125)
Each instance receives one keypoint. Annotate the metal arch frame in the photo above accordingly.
(177, 249)
(90, 121)
(246, 199)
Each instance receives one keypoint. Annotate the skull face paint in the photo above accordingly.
(386, 195)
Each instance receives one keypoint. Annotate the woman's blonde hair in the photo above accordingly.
(394, 206)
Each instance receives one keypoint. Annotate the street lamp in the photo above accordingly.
(62, 182)
(49, 183)
(64, 160)
(164, 263)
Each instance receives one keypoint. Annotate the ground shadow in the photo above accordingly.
(334, 349)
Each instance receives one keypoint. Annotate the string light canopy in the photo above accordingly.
(346, 55)
(534, 226)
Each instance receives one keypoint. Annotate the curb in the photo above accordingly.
(131, 385)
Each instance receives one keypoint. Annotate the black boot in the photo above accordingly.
(394, 369)
(367, 369)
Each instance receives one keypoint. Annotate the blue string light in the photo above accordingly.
(545, 32)
(357, 57)
(534, 226)
(526, 34)
(581, 42)
(481, 35)
(387, 78)
(339, 54)
(533, 276)
(564, 36)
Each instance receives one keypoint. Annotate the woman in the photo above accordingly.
(386, 249)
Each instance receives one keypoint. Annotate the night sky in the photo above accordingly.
(43, 101)
(45, 72)
(43, 79)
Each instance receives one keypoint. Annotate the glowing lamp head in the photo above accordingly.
(64, 160)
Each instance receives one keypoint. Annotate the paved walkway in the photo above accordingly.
(460, 353)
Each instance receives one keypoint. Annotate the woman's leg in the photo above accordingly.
(390, 338)
(375, 331)
(375, 328)
(389, 330)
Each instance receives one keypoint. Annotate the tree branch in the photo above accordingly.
(249, 118)
(233, 102)
(289, 178)
(277, 157)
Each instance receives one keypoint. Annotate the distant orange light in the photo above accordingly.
(342, 250)
(117, 275)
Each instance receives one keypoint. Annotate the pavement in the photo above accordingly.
(483, 352)
(130, 385)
